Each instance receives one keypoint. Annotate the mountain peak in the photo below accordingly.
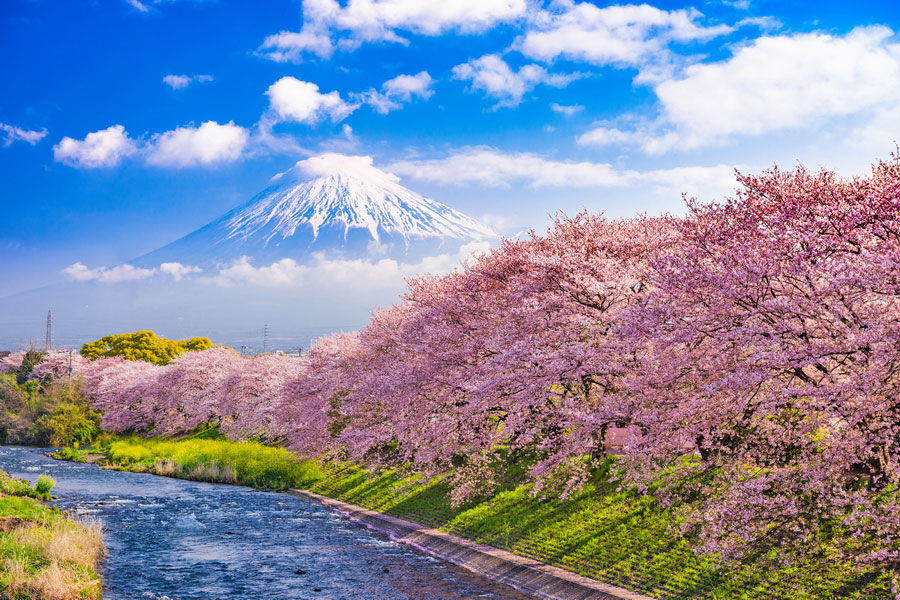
(346, 192)
(330, 202)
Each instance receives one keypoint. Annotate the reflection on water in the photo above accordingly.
(179, 540)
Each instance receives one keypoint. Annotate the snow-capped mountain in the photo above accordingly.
(340, 205)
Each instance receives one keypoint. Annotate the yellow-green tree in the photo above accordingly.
(143, 345)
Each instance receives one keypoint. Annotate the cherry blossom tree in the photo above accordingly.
(58, 365)
(124, 391)
(12, 362)
(188, 391)
(773, 352)
(744, 359)
(251, 394)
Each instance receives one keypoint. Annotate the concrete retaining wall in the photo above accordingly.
(526, 575)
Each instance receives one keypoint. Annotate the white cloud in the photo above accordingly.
(332, 162)
(14, 134)
(121, 273)
(280, 273)
(489, 167)
(146, 6)
(405, 87)
(138, 5)
(177, 82)
(701, 182)
(375, 20)
(603, 136)
(878, 136)
(766, 23)
(625, 35)
(775, 83)
(104, 148)
(380, 103)
(294, 100)
(289, 46)
(80, 272)
(399, 89)
(566, 110)
(361, 21)
(208, 144)
(499, 223)
(491, 74)
(356, 274)
(783, 82)
(177, 270)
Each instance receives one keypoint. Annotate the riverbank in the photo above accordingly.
(612, 535)
(44, 554)
(202, 457)
(191, 540)
(526, 575)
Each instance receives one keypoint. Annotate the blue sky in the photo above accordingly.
(126, 124)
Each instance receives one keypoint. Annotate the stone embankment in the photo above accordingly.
(526, 575)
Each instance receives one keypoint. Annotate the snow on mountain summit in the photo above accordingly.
(334, 188)
(327, 203)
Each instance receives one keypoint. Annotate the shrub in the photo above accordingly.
(44, 484)
(32, 358)
(68, 423)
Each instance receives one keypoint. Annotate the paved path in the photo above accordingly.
(524, 574)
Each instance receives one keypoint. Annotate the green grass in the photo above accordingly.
(617, 536)
(215, 460)
(26, 509)
(43, 554)
(10, 486)
(72, 454)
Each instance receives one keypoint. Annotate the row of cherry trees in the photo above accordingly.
(750, 350)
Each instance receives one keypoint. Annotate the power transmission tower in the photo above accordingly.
(265, 339)
(48, 340)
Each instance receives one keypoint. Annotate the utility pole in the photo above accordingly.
(48, 340)
(69, 372)
(265, 339)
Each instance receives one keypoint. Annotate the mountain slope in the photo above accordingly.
(336, 204)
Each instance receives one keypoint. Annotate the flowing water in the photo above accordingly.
(179, 540)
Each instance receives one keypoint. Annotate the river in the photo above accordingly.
(171, 539)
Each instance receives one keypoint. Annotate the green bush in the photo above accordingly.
(68, 423)
(31, 358)
(44, 484)
(52, 414)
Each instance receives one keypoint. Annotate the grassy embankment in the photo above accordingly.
(203, 457)
(43, 554)
(614, 535)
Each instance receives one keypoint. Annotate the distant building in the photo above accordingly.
(5, 353)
